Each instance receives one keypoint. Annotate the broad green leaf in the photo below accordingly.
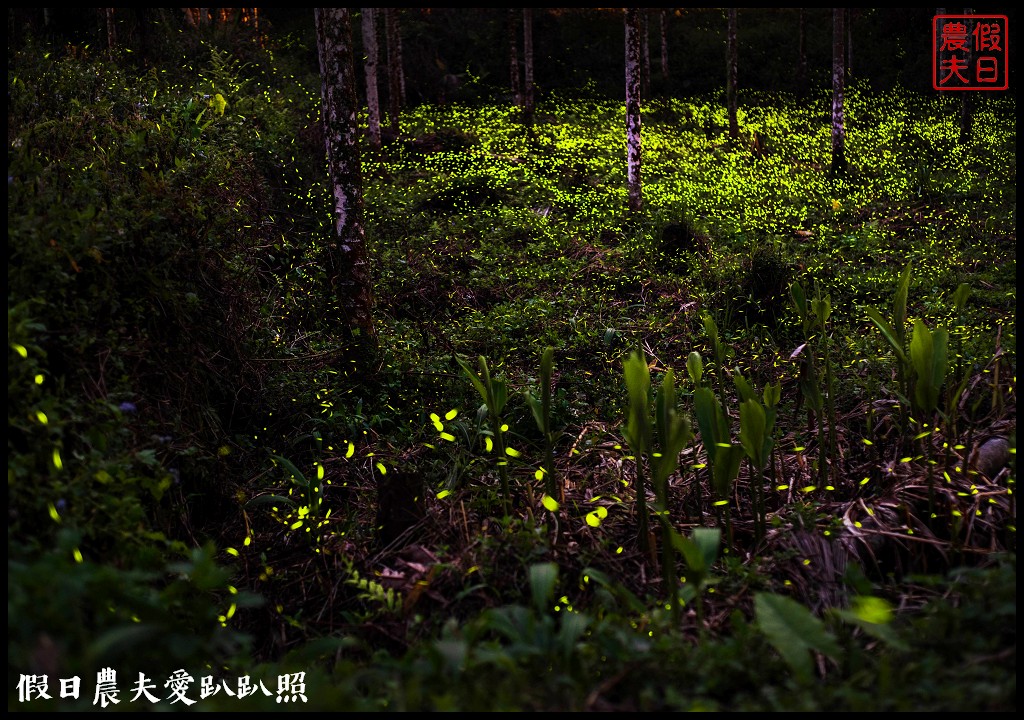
(297, 475)
(543, 577)
(752, 431)
(794, 631)
(270, 500)
(963, 291)
(695, 367)
(726, 467)
(899, 311)
(743, 388)
(473, 377)
(889, 333)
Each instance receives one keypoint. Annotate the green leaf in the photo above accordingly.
(889, 333)
(297, 477)
(726, 467)
(796, 292)
(899, 311)
(695, 367)
(794, 631)
(270, 500)
(752, 431)
(963, 291)
(543, 577)
(638, 385)
(743, 388)
(477, 383)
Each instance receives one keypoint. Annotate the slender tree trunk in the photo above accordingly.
(966, 98)
(849, 42)
(645, 53)
(513, 57)
(349, 270)
(111, 28)
(664, 46)
(633, 109)
(396, 71)
(731, 71)
(801, 62)
(838, 88)
(372, 97)
(528, 94)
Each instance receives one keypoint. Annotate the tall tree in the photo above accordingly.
(349, 270)
(108, 14)
(664, 45)
(396, 71)
(801, 61)
(645, 53)
(966, 98)
(635, 194)
(730, 79)
(838, 88)
(528, 91)
(372, 97)
(513, 57)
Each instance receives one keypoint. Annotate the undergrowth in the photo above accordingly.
(201, 474)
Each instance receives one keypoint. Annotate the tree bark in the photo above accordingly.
(801, 62)
(348, 271)
(528, 93)
(372, 97)
(731, 71)
(635, 193)
(513, 57)
(966, 98)
(396, 70)
(645, 54)
(108, 14)
(664, 46)
(838, 88)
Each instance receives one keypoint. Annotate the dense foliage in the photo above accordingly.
(751, 448)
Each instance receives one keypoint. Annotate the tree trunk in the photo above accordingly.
(664, 47)
(528, 96)
(838, 87)
(396, 71)
(513, 58)
(348, 270)
(372, 98)
(730, 81)
(849, 42)
(966, 98)
(801, 62)
(111, 28)
(645, 54)
(633, 108)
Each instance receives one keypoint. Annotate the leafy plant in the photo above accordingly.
(541, 409)
(494, 394)
(671, 433)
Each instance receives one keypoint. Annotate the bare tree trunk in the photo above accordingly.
(372, 98)
(635, 193)
(838, 87)
(349, 270)
(396, 72)
(645, 54)
(664, 46)
(513, 57)
(111, 28)
(966, 98)
(801, 62)
(731, 72)
(849, 42)
(528, 95)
